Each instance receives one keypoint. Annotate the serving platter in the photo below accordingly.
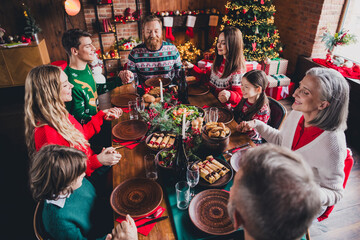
(130, 130)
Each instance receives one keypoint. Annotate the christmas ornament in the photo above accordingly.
(177, 12)
(262, 2)
(168, 24)
(281, 49)
(254, 46)
(255, 19)
(267, 60)
(244, 11)
(348, 64)
(257, 30)
(213, 10)
(166, 13)
(268, 34)
(207, 11)
(339, 61)
(162, 14)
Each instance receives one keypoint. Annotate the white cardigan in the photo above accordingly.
(325, 154)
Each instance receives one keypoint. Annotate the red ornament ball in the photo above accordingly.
(227, 22)
(244, 11)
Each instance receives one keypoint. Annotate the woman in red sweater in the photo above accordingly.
(228, 67)
(48, 122)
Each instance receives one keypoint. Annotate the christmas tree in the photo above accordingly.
(255, 19)
(31, 27)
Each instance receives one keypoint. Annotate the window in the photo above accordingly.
(351, 22)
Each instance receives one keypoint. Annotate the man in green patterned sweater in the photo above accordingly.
(78, 45)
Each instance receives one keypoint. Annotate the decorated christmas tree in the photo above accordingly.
(255, 19)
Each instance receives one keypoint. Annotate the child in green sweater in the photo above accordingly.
(71, 205)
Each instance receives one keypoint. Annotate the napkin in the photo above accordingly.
(205, 106)
(146, 229)
(125, 109)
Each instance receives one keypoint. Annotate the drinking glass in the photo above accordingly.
(140, 103)
(213, 114)
(192, 176)
(150, 167)
(133, 111)
(182, 195)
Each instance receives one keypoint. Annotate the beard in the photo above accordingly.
(153, 43)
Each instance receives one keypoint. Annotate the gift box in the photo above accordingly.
(205, 64)
(276, 66)
(252, 65)
(280, 92)
(278, 80)
(210, 54)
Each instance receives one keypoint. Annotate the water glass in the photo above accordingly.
(150, 167)
(133, 110)
(182, 195)
(213, 114)
(140, 103)
(192, 176)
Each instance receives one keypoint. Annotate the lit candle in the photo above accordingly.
(161, 92)
(183, 124)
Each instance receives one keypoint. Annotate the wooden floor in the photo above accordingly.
(344, 221)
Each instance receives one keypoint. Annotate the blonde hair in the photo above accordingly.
(43, 106)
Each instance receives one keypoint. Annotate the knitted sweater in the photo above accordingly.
(232, 83)
(75, 220)
(325, 154)
(85, 92)
(145, 63)
(46, 134)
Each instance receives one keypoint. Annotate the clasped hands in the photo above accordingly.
(245, 126)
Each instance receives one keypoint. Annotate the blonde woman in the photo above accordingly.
(48, 122)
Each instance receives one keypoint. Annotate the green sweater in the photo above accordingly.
(85, 93)
(76, 220)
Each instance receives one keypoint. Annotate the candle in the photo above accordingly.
(161, 91)
(183, 124)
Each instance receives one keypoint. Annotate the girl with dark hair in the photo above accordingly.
(254, 104)
(229, 65)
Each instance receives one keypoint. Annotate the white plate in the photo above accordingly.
(236, 157)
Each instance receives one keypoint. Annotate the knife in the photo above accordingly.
(236, 148)
(153, 221)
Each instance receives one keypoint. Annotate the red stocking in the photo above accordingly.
(190, 23)
(168, 34)
(190, 32)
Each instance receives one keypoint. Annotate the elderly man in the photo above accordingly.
(274, 195)
(154, 57)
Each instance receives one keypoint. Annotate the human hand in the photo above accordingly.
(126, 76)
(109, 156)
(224, 96)
(112, 113)
(188, 65)
(126, 230)
(246, 126)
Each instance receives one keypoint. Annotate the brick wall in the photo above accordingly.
(301, 23)
(123, 30)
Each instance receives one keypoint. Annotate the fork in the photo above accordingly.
(152, 216)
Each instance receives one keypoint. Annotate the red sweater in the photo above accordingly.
(45, 135)
(304, 135)
(213, 79)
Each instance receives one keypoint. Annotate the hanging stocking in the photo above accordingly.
(168, 24)
(190, 23)
(213, 22)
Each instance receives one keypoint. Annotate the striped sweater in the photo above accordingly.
(145, 63)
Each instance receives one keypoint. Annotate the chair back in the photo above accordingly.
(277, 113)
(39, 229)
(349, 162)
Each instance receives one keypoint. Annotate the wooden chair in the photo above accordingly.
(277, 113)
(307, 235)
(39, 229)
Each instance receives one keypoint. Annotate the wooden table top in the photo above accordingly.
(131, 164)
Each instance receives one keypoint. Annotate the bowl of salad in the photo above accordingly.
(191, 112)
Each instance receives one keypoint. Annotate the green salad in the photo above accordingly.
(177, 113)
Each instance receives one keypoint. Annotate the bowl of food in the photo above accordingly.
(192, 112)
(215, 137)
(165, 160)
(160, 140)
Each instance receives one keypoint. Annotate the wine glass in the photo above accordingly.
(140, 104)
(192, 176)
(213, 114)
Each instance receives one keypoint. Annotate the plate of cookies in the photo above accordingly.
(214, 173)
(160, 140)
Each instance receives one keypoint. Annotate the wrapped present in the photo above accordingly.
(210, 54)
(278, 80)
(276, 66)
(252, 65)
(205, 64)
(280, 92)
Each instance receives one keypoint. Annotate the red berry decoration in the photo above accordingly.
(228, 22)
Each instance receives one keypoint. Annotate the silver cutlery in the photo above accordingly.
(152, 216)
(153, 221)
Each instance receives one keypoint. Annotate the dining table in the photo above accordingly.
(131, 164)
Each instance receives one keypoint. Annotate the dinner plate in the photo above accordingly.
(225, 115)
(122, 100)
(221, 181)
(130, 130)
(198, 90)
(136, 197)
(154, 82)
(236, 157)
(208, 212)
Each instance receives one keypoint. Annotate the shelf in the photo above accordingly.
(103, 4)
(103, 33)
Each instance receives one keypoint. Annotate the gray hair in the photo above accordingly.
(334, 89)
(277, 194)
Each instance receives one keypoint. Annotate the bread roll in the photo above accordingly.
(148, 98)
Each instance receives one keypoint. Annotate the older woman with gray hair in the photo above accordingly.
(315, 129)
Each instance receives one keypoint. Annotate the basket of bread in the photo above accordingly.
(215, 136)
